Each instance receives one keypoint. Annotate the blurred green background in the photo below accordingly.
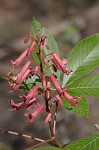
(68, 21)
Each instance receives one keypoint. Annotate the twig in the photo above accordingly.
(54, 127)
(41, 143)
(23, 135)
(44, 91)
(58, 143)
(51, 129)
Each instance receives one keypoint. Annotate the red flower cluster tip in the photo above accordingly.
(29, 101)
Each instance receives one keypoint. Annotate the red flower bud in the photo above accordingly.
(27, 38)
(32, 92)
(31, 47)
(56, 84)
(48, 118)
(30, 102)
(16, 106)
(55, 62)
(72, 100)
(58, 62)
(19, 60)
(34, 114)
(22, 72)
(26, 74)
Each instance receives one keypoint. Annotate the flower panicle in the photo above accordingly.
(30, 101)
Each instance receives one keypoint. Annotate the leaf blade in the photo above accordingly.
(86, 86)
(83, 59)
(87, 143)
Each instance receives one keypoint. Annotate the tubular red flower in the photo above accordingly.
(20, 59)
(32, 92)
(16, 106)
(31, 47)
(23, 55)
(56, 84)
(58, 100)
(55, 62)
(23, 70)
(32, 116)
(17, 80)
(58, 62)
(30, 102)
(73, 101)
(48, 118)
(26, 74)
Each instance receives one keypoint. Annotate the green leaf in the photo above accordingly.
(86, 86)
(30, 82)
(81, 109)
(48, 148)
(83, 59)
(38, 29)
(50, 41)
(26, 87)
(87, 143)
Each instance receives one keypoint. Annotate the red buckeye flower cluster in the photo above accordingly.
(30, 101)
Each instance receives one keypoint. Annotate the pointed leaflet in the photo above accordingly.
(87, 143)
(86, 86)
(38, 29)
(48, 148)
(83, 58)
(81, 109)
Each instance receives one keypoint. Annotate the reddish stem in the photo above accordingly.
(44, 92)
